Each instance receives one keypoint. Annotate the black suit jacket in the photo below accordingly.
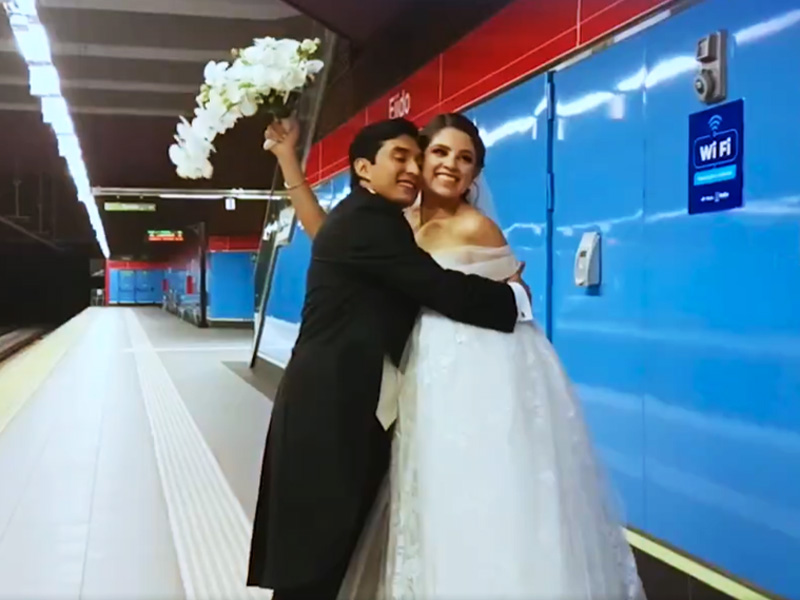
(326, 452)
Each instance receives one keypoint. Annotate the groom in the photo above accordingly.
(326, 451)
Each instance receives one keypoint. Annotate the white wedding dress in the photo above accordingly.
(493, 491)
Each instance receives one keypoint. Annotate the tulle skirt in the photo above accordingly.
(494, 490)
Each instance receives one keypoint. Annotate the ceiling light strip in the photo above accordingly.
(34, 46)
(188, 194)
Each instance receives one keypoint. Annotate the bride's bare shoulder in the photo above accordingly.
(412, 216)
(479, 230)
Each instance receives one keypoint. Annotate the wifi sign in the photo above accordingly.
(716, 158)
(718, 148)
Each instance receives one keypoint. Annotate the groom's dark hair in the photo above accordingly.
(370, 139)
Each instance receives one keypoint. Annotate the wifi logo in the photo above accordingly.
(714, 123)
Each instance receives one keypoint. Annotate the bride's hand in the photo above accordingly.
(283, 135)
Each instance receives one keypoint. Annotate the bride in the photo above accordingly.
(493, 490)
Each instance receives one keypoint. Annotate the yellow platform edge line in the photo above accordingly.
(682, 563)
(24, 373)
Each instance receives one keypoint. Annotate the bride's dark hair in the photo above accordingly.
(456, 121)
(464, 125)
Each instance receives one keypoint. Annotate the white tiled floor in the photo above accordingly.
(82, 507)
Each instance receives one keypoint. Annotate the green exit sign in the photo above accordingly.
(130, 207)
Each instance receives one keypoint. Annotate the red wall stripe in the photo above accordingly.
(511, 72)
(598, 17)
(514, 33)
(518, 41)
(223, 243)
(132, 265)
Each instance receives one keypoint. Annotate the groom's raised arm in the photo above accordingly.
(380, 245)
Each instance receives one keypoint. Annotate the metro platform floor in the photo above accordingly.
(130, 453)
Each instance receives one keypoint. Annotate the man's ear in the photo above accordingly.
(361, 167)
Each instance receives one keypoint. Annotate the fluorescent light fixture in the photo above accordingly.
(69, 149)
(55, 113)
(44, 81)
(129, 207)
(63, 126)
(34, 46)
(220, 196)
(32, 41)
(184, 194)
(259, 197)
(188, 196)
(25, 8)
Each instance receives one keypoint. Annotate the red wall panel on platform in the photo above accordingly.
(133, 265)
(314, 163)
(484, 60)
(336, 145)
(511, 72)
(417, 98)
(598, 17)
(518, 41)
(232, 243)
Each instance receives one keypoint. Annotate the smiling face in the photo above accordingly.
(450, 164)
(395, 172)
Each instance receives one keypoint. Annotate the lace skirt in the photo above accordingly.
(494, 490)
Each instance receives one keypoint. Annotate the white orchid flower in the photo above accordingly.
(255, 54)
(215, 73)
(293, 79)
(314, 66)
(188, 166)
(192, 138)
(265, 42)
(266, 78)
(269, 73)
(309, 46)
(248, 105)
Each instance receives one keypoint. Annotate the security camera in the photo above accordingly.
(704, 86)
(706, 49)
(711, 81)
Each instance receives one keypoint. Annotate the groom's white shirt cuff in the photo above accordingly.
(524, 308)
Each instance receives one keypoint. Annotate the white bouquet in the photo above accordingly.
(269, 75)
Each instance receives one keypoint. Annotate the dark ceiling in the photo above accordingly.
(129, 68)
(354, 20)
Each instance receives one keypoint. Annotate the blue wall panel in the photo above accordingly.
(231, 285)
(338, 190)
(721, 334)
(513, 189)
(148, 286)
(598, 164)
(113, 286)
(134, 286)
(126, 292)
(288, 288)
